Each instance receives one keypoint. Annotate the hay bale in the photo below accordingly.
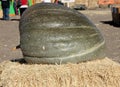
(98, 73)
(89, 3)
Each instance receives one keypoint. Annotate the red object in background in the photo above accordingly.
(108, 2)
(24, 2)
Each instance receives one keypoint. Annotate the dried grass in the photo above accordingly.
(98, 73)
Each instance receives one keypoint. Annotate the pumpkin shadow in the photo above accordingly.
(15, 19)
(110, 23)
(20, 60)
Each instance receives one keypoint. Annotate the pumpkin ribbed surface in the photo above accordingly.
(51, 33)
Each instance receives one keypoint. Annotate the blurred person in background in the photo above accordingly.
(6, 9)
(15, 7)
(24, 6)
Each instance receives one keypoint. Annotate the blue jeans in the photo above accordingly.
(5, 13)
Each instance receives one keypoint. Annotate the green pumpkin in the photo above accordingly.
(51, 33)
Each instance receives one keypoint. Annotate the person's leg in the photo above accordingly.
(15, 8)
(3, 9)
(17, 11)
(22, 10)
(7, 14)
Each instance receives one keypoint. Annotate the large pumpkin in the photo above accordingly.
(51, 33)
